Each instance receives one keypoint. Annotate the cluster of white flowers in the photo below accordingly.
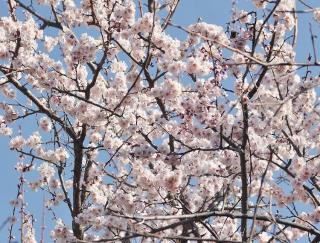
(61, 233)
(45, 124)
(46, 171)
(316, 14)
(85, 50)
(7, 91)
(29, 236)
(4, 129)
(169, 90)
(155, 125)
(197, 66)
(118, 66)
(144, 24)
(212, 32)
(50, 43)
(17, 142)
(260, 3)
(34, 140)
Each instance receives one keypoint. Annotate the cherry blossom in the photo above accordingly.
(139, 134)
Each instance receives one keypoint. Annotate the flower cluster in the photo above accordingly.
(133, 124)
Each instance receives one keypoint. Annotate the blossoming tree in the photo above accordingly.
(140, 135)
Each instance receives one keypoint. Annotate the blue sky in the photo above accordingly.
(211, 11)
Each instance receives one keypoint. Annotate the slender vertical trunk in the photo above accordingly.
(244, 179)
(78, 155)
